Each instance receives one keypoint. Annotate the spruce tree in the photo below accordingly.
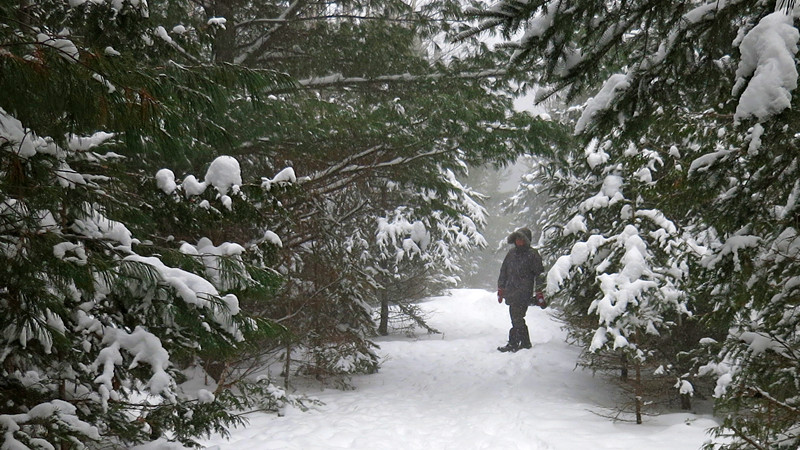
(103, 319)
(708, 88)
(380, 120)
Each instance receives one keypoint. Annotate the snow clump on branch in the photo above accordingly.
(603, 100)
(768, 56)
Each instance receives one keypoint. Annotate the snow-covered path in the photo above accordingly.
(455, 391)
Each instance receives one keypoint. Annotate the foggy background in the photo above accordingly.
(499, 185)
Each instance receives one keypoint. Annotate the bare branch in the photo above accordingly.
(262, 41)
(340, 80)
(345, 162)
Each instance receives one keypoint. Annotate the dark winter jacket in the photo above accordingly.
(520, 270)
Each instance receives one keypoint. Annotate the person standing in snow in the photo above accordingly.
(518, 275)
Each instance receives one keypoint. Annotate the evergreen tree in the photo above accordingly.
(706, 87)
(381, 121)
(103, 320)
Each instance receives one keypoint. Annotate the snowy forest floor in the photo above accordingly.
(456, 391)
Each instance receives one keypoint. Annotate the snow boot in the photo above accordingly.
(508, 348)
(513, 342)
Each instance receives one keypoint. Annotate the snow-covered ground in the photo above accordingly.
(456, 391)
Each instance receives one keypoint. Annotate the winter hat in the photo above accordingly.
(521, 233)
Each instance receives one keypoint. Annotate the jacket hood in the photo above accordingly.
(521, 233)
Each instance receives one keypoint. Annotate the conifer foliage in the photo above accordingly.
(687, 137)
(377, 134)
(190, 192)
(102, 319)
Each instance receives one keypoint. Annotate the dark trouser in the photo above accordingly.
(518, 335)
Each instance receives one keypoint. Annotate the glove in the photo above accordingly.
(540, 300)
(499, 295)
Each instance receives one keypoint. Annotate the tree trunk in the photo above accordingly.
(383, 325)
(225, 38)
(287, 365)
(686, 402)
(638, 393)
(22, 15)
(623, 374)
